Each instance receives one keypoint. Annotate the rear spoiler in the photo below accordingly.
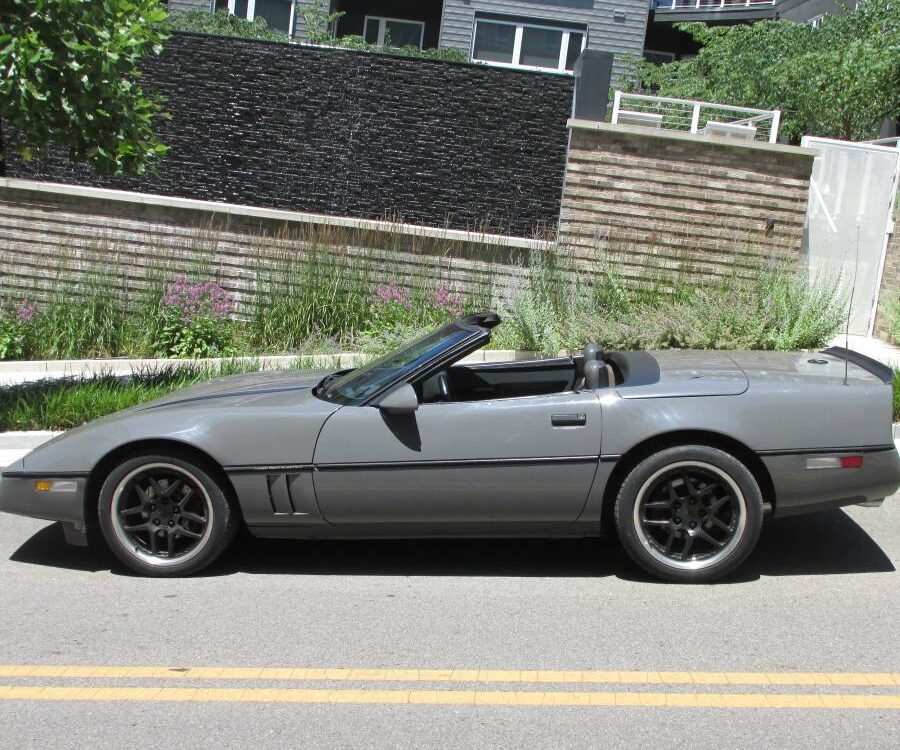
(873, 366)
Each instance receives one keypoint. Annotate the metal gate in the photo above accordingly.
(848, 219)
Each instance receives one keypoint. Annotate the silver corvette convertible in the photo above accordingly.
(682, 453)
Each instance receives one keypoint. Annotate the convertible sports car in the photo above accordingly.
(683, 453)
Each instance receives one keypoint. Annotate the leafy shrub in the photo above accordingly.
(15, 327)
(779, 308)
(223, 23)
(193, 321)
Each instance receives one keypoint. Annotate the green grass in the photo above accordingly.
(66, 403)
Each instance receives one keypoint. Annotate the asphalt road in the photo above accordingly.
(820, 595)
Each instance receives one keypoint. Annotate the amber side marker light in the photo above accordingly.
(55, 485)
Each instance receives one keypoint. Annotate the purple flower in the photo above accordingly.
(192, 301)
(444, 299)
(25, 312)
(393, 292)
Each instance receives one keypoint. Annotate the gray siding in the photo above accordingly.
(620, 37)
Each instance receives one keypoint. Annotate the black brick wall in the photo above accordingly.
(348, 133)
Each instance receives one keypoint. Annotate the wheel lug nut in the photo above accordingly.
(171, 523)
(156, 521)
(677, 520)
(693, 525)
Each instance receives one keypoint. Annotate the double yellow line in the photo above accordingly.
(732, 694)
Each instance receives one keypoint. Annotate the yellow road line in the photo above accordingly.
(448, 697)
(583, 677)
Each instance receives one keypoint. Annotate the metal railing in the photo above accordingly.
(687, 115)
(709, 4)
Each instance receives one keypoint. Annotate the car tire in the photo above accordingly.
(164, 516)
(690, 513)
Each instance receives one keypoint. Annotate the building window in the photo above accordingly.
(520, 44)
(816, 21)
(396, 32)
(279, 14)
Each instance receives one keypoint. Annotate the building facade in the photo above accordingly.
(543, 35)
(524, 34)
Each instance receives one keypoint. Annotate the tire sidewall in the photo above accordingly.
(634, 481)
(223, 522)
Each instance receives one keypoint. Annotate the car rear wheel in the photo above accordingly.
(164, 516)
(690, 513)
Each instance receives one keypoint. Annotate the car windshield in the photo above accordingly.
(358, 385)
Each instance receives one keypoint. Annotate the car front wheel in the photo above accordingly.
(689, 513)
(164, 516)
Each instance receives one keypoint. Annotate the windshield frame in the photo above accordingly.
(476, 338)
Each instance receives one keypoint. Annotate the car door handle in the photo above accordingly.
(568, 420)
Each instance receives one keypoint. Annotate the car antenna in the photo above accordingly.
(850, 308)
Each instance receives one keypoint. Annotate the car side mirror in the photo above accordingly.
(401, 400)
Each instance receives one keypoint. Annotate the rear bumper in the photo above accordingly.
(799, 489)
(18, 496)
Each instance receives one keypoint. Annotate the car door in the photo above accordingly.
(528, 459)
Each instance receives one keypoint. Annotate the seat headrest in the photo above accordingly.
(592, 352)
(595, 375)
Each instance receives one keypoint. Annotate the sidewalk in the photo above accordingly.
(14, 445)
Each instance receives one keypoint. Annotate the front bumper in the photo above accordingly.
(799, 489)
(19, 496)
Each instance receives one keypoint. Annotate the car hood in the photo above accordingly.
(283, 429)
(269, 388)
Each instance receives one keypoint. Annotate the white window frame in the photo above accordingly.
(520, 27)
(251, 12)
(816, 21)
(382, 28)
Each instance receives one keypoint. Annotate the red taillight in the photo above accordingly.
(851, 462)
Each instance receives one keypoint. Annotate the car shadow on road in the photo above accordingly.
(828, 543)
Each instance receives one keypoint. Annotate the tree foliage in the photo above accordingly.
(69, 76)
(225, 24)
(839, 80)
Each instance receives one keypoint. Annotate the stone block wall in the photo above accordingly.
(662, 202)
(348, 133)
